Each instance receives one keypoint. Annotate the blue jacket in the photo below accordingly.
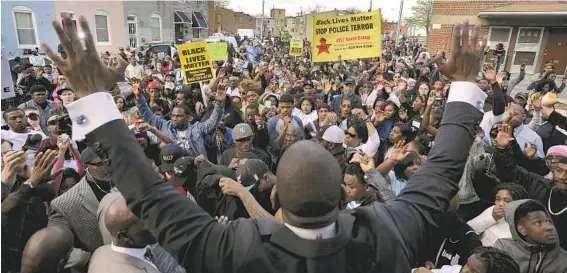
(196, 131)
(336, 104)
(272, 122)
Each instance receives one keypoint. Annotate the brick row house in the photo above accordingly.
(532, 32)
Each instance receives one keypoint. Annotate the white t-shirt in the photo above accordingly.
(19, 139)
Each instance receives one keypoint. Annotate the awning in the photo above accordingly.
(180, 17)
(526, 10)
(199, 20)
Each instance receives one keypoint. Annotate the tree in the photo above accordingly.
(316, 8)
(222, 3)
(352, 10)
(421, 15)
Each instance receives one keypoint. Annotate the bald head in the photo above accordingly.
(309, 185)
(125, 228)
(47, 250)
(519, 115)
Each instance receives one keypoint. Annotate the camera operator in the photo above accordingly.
(19, 135)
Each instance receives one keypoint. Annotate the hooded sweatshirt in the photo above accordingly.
(531, 258)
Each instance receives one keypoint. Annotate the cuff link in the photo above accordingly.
(82, 119)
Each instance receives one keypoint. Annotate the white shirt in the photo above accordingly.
(305, 118)
(314, 234)
(371, 146)
(19, 139)
(134, 71)
(233, 92)
(38, 60)
(134, 252)
(524, 135)
(489, 229)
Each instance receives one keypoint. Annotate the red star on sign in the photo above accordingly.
(323, 46)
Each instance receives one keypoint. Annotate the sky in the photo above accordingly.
(390, 8)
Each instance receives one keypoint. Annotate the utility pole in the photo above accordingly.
(399, 28)
(370, 9)
(263, 24)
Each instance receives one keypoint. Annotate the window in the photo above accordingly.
(101, 26)
(195, 33)
(73, 16)
(24, 22)
(155, 25)
(132, 30)
(527, 58)
(529, 36)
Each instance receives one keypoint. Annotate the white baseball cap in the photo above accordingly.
(334, 134)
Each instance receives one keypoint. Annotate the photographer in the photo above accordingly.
(19, 135)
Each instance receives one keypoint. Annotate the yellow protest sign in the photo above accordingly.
(349, 36)
(295, 47)
(218, 51)
(195, 62)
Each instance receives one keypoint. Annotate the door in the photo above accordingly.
(132, 31)
(528, 44)
(556, 50)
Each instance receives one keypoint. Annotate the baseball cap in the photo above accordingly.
(242, 130)
(334, 134)
(63, 88)
(88, 156)
(169, 154)
(249, 173)
(182, 168)
(308, 82)
(153, 84)
(349, 81)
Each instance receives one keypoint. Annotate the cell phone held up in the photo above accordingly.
(32, 142)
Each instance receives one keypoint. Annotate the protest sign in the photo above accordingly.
(195, 62)
(349, 36)
(218, 51)
(7, 83)
(254, 54)
(284, 35)
(295, 47)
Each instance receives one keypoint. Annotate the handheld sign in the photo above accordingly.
(295, 47)
(195, 62)
(218, 51)
(349, 36)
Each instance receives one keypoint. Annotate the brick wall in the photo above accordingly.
(440, 38)
(230, 21)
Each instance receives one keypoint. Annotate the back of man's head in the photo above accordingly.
(309, 185)
(125, 228)
(47, 250)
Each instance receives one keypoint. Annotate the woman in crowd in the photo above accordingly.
(307, 113)
(491, 224)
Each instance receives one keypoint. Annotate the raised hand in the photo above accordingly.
(500, 77)
(83, 67)
(530, 150)
(490, 74)
(504, 137)
(403, 114)
(536, 102)
(508, 114)
(366, 162)
(13, 162)
(431, 100)
(42, 166)
(466, 54)
(399, 151)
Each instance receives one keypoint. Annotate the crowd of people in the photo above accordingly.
(407, 162)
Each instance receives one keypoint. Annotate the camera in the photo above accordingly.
(64, 124)
(32, 142)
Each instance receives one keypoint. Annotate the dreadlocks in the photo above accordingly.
(495, 261)
(517, 191)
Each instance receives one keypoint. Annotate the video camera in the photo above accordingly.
(64, 124)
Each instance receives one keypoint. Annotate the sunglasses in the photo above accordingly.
(350, 134)
(52, 122)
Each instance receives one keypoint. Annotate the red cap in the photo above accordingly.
(153, 84)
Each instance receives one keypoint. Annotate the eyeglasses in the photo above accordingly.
(52, 122)
(350, 134)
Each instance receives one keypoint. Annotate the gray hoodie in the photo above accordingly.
(528, 256)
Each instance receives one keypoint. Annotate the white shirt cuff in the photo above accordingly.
(467, 92)
(91, 112)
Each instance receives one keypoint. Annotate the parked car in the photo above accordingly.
(161, 49)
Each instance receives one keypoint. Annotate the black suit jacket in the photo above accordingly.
(382, 237)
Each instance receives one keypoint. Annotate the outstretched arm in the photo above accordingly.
(424, 201)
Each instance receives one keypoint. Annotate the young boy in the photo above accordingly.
(534, 244)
